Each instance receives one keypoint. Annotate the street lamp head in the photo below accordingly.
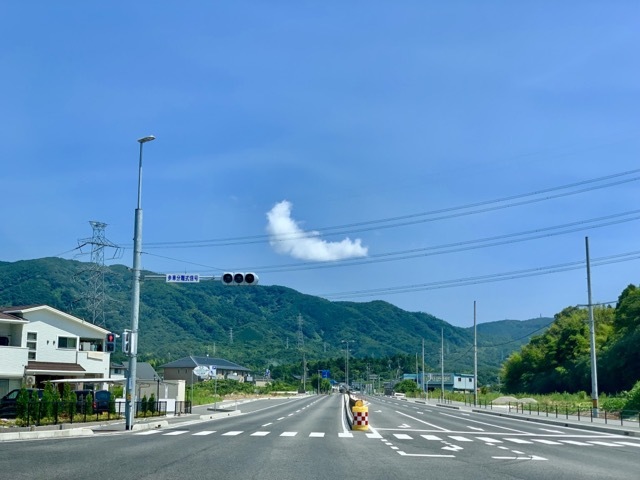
(146, 139)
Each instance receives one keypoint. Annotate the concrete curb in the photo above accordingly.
(31, 435)
(213, 416)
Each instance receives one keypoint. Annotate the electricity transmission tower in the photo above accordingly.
(94, 291)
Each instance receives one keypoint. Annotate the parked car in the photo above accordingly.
(101, 400)
(8, 403)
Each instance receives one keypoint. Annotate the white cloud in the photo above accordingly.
(286, 237)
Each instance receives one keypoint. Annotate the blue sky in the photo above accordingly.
(310, 142)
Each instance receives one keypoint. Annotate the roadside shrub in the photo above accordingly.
(633, 398)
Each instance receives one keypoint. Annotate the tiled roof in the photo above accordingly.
(55, 366)
(193, 361)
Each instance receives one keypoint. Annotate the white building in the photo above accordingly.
(39, 343)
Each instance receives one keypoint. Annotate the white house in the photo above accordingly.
(40, 343)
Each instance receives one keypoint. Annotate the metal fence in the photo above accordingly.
(44, 412)
(577, 413)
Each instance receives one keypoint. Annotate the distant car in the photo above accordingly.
(101, 400)
(8, 403)
(399, 395)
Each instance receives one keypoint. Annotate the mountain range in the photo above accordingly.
(257, 326)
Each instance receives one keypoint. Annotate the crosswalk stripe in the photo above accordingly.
(317, 434)
(489, 440)
(605, 444)
(176, 432)
(402, 436)
(260, 434)
(345, 435)
(148, 432)
(460, 439)
(576, 442)
(288, 434)
(546, 442)
(430, 437)
(204, 432)
(232, 433)
(518, 440)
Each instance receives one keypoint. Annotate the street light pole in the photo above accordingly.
(346, 369)
(135, 294)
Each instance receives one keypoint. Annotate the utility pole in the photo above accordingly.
(423, 365)
(592, 327)
(442, 364)
(475, 356)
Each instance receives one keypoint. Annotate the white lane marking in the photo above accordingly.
(260, 434)
(394, 448)
(630, 444)
(518, 440)
(430, 437)
(345, 435)
(290, 415)
(267, 424)
(316, 434)
(489, 440)
(422, 421)
(482, 423)
(460, 439)
(605, 444)
(204, 432)
(425, 455)
(546, 442)
(281, 418)
(402, 436)
(176, 432)
(373, 435)
(288, 434)
(517, 452)
(232, 433)
(532, 457)
(575, 442)
(476, 428)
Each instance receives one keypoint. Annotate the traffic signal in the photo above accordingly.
(230, 278)
(110, 344)
(126, 341)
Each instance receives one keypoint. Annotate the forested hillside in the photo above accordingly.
(260, 326)
(559, 359)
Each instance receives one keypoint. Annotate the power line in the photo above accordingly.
(490, 278)
(410, 219)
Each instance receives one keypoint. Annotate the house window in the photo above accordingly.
(32, 345)
(68, 343)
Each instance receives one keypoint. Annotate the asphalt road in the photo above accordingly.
(307, 438)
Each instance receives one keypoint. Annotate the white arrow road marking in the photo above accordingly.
(453, 448)
(404, 425)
